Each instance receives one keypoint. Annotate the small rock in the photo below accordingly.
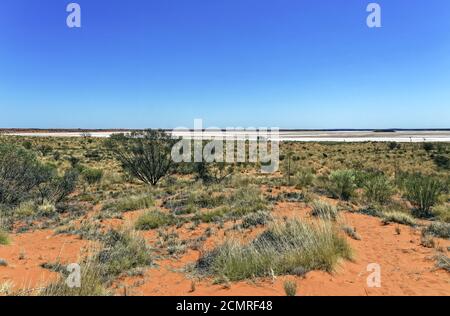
(3, 263)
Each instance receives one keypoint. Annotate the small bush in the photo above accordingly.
(25, 209)
(378, 189)
(247, 200)
(324, 210)
(438, 229)
(46, 209)
(259, 218)
(282, 249)
(290, 288)
(442, 212)
(443, 262)
(4, 238)
(133, 203)
(304, 178)
(399, 218)
(152, 220)
(20, 174)
(342, 184)
(92, 176)
(428, 146)
(423, 193)
(442, 161)
(123, 250)
(427, 241)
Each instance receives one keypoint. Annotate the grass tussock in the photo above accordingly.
(4, 238)
(133, 203)
(324, 210)
(282, 249)
(351, 232)
(438, 229)
(399, 218)
(342, 184)
(443, 262)
(122, 251)
(290, 288)
(153, 219)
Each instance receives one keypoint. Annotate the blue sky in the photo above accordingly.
(274, 63)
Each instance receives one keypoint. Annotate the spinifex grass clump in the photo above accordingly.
(423, 192)
(342, 184)
(399, 218)
(438, 229)
(122, 251)
(4, 239)
(324, 210)
(282, 249)
(153, 220)
(378, 189)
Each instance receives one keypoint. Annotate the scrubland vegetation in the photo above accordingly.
(79, 186)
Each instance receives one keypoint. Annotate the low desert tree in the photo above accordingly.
(20, 174)
(146, 155)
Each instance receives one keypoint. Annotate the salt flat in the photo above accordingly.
(298, 136)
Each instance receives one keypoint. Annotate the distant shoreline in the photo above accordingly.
(121, 130)
(344, 135)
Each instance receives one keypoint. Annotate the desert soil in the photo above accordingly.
(407, 268)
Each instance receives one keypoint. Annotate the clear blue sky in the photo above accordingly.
(283, 63)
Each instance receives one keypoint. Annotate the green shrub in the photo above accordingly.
(4, 239)
(153, 220)
(342, 184)
(20, 174)
(290, 288)
(25, 209)
(304, 177)
(324, 210)
(132, 203)
(442, 161)
(123, 250)
(443, 262)
(214, 215)
(423, 193)
(46, 208)
(282, 249)
(438, 229)
(378, 189)
(428, 146)
(259, 218)
(247, 200)
(92, 176)
(442, 212)
(59, 188)
(399, 218)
